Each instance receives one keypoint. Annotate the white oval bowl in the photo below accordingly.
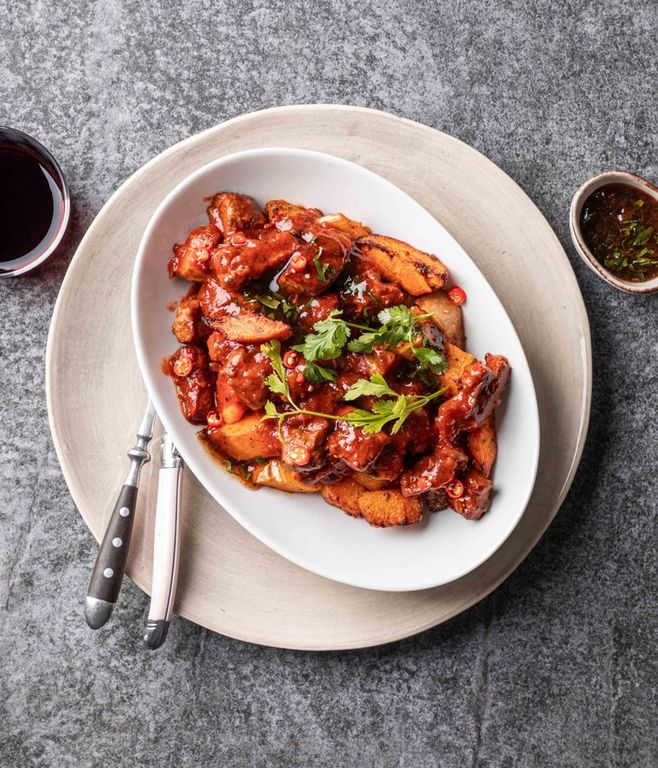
(303, 528)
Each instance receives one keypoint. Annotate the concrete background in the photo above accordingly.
(556, 668)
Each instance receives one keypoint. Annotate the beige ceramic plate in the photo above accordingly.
(230, 582)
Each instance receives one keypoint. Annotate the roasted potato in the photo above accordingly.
(458, 361)
(482, 446)
(416, 271)
(248, 438)
(339, 221)
(389, 507)
(382, 509)
(276, 474)
(446, 315)
(371, 483)
(250, 328)
(344, 495)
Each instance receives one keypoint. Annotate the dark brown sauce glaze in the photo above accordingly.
(620, 227)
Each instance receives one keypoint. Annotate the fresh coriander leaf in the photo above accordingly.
(316, 374)
(430, 359)
(269, 301)
(377, 387)
(642, 237)
(320, 266)
(398, 325)
(276, 385)
(365, 342)
(271, 411)
(328, 340)
(386, 411)
(272, 349)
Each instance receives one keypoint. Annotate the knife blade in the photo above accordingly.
(107, 575)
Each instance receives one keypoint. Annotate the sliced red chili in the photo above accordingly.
(291, 358)
(300, 378)
(457, 295)
(455, 489)
(300, 456)
(213, 419)
(182, 366)
(298, 262)
(238, 238)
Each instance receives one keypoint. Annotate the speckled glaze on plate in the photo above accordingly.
(229, 582)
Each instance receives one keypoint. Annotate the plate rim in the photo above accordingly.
(139, 277)
(585, 366)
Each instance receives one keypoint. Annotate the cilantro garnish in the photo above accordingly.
(384, 411)
(328, 340)
(320, 267)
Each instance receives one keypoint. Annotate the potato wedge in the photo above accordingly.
(276, 474)
(482, 446)
(416, 271)
(250, 328)
(382, 509)
(248, 438)
(371, 483)
(350, 227)
(389, 507)
(344, 495)
(446, 315)
(458, 361)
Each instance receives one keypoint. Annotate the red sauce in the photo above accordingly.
(331, 376)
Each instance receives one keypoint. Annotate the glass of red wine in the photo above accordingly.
(34, 203)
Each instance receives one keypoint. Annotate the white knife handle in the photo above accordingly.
(166, 547)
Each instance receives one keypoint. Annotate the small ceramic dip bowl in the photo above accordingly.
(577, 203)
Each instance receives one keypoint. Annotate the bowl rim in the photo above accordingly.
(66, 215)
(578, 200)
(154, 221)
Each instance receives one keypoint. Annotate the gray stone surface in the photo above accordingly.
(556, 668)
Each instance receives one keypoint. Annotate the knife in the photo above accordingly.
(106, 578)
(166, 544)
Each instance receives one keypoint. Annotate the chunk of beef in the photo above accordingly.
(191, 261)
(288, 217)
(316, 309)
(324, 259)
(364, 294)
(434, 471)
(481, 389)
(476, 498)
(230, 212)
(188, 367)
(215, 301)
(234, 263)
(187, 325)
(242, 376)
(355, 447)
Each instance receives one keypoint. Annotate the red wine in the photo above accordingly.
(34, 205)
